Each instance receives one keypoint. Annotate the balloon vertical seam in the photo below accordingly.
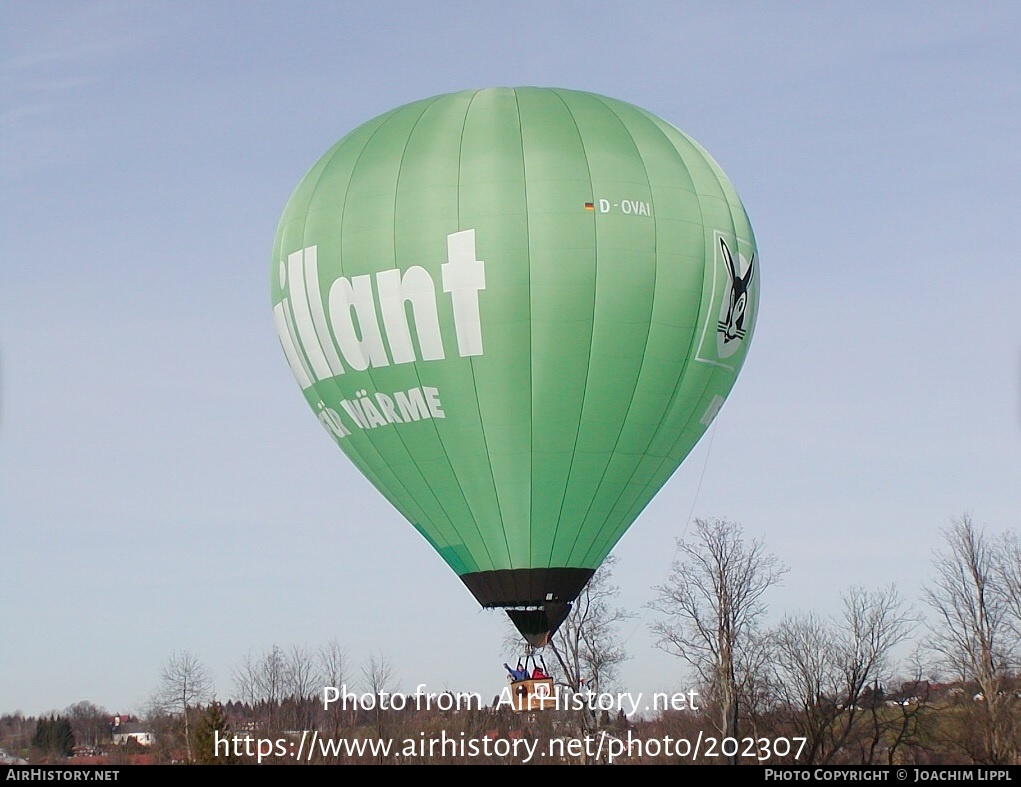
(653, 125)
(588, 366)
(471, 361)
(638, 376)
(415, 369)
(332, 382)
(531, 337)
(440, 527)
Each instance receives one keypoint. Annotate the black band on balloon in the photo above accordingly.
(527, 587)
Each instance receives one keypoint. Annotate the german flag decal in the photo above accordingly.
(590, 206)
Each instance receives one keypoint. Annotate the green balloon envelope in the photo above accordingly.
(516, 311)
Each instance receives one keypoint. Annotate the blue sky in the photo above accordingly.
(162, 485)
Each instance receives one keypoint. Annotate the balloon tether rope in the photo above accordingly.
(694, 501)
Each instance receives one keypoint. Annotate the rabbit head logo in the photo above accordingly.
(735, 307)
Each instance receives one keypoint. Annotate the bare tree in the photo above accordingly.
(807, 679)
(303, 678)
(333, 664)
(874, 623)
(379, 675)
(588, 646)
(271, 677)
(303, 683)
(246, 680)
(1008, 566)
(380, 680)
(972, 633)
(90, 723)
(823, 671)
(333, 668)
(280, 685)
(712, 600)
(906, 731)
(184, 682)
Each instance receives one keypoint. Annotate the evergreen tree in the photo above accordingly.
(211, 727)
(63, 737)
(53, 737)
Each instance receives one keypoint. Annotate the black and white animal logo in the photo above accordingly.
(734, 309)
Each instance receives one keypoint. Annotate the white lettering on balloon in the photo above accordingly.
(323, 338)
(371, 410)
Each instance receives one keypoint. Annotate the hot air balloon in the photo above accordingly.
(516, 310)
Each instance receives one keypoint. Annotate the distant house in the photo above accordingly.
(125, 730)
